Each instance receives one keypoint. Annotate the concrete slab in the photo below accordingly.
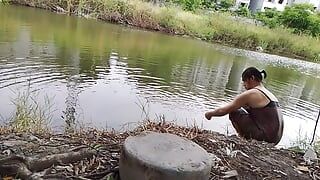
(163, 156)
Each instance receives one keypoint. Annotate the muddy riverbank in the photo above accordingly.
(94, 154)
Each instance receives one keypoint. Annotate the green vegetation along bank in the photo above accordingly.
(205, 25)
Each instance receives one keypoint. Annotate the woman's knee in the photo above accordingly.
(234, 115)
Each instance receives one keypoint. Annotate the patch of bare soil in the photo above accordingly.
(95, 154)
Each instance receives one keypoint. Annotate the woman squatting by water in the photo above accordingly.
(255, 113)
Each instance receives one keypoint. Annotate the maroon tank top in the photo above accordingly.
(268, 119)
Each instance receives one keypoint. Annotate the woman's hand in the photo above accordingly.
(239, 101)
(208, 115)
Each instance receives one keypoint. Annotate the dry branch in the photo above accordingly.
(25, 167)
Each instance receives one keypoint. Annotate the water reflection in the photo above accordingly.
(102, 74)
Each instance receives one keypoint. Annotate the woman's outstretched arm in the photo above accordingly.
(239, 101)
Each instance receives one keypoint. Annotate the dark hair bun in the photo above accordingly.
(264, 74)
(255, 73)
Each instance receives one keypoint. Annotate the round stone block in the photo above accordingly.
(163, 156)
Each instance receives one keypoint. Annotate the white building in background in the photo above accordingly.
(315, 3)
(277, 4)
(262, 5)
(242, 3)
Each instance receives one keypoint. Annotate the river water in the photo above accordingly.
(109, 76)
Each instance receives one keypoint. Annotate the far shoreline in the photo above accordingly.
(214, 28)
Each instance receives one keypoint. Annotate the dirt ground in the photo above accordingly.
(94, 154)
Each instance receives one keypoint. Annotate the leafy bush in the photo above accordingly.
(302, 19)
(271, 17)
(189, 5)
(314, 28)
(209, 4)
(226, 4)
(192, 5)
(243, 11)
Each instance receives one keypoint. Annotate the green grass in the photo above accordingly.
(4, 1)
(212, 27)
(30, 114)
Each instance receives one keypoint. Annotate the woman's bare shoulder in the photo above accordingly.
(268, 93)
(247, 93)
